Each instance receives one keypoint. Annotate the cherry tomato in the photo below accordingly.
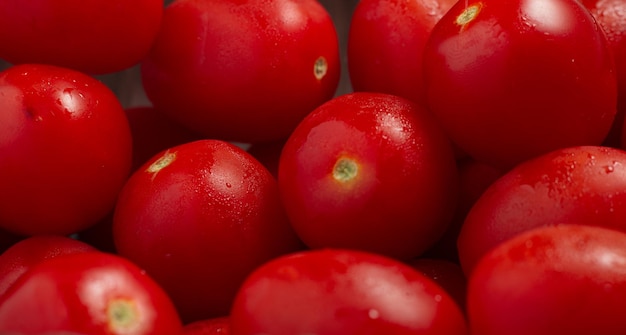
(25, 254)
(385, 45)
(65, 150)
(369, 171)
(585, 185)
(103, 36)
(199, 217)
(568, 279)
(513, 79)
(342, 292)
(91, 292)
(610, 16)
(245, 71)
(214, 326)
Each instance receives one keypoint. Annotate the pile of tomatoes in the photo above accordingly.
(473, 181)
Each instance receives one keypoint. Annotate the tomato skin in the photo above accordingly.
(199, 217)
(103, 37)
(242, 70)
(25, 254)
(385, 45)
(445, 273)
(213, 326)
(585, 185)
(401, 193)
(521, 74)
(334, 291)
(567, 279)
(91, 292)
(65, 135)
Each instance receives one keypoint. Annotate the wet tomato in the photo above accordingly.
(65, 150)
(369, 171)
(336, 292)
(568, 279)
(245, 71)
(199, 217)
(92, 293)
(512, 79)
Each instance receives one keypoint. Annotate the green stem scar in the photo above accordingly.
(320, 68)
(345, 169)
(162, 162)
(122, 315)
(469, 14)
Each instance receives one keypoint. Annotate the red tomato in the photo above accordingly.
(65, 150)
(245, 71)
(91, 292)
(585, 185)
(566, 279)
(342, 292)
(25, 254)
(610, 16)
(102, 36)
(514, 79)
(154, 132)
(385, 45)
(200, 217)
(369, 171)
(214, 326)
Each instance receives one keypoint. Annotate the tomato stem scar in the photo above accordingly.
(320, 68)
(345, 170)
(122, 315)
(165, 160)
(468, 14)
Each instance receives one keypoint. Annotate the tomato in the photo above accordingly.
(385, 45)
(369, 171)
(610, 16)
(585, 185)
(342, 292)
(199, 217)
(567, 279)
(214, 326)
(245, 71)
(90, 292)
(513, 79)
(102, 37)
(25, 254)
(65, 150)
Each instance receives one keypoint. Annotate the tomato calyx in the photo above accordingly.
(345, 170)
(162, 162)
(468, 15)
(122, 316)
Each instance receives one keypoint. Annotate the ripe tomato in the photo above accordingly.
(610, 16)
(585, 185)
(369, 171)
(199, 217)
(447, 274)
(25, 254)
(100, 37)
(92, 293)
(245, 71)
(385, 44)
(214, 326)
(65, 150)
(567, 279)
(513, 79)
(342, 292)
